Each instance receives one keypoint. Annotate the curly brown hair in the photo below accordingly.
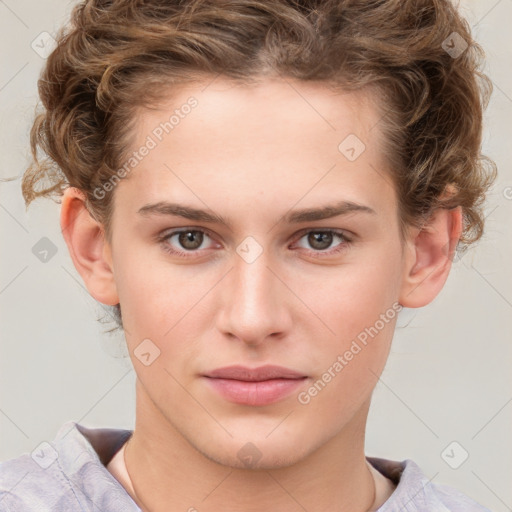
(117, 56)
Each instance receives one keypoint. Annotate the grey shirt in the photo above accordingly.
(70, 474)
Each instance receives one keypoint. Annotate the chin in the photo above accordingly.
(258, 453)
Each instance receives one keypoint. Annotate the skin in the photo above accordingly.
(252, 154)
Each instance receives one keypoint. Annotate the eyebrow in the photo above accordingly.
(296, 216)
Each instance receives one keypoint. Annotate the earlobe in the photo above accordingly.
(430, 252)
(88, 247)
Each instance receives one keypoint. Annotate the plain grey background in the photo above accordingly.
(448, 377)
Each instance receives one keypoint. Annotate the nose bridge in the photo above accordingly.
(253, 282)
(253, 305)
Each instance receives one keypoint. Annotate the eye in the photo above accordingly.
(186, 240)
(321, 240)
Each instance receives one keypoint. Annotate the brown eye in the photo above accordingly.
(184, 242)
(190, 240)
(320, 240)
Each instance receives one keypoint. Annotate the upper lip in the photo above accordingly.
(261, 373)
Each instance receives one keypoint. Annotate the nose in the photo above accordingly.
(255, 302)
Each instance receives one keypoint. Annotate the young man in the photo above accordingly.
(260, 188)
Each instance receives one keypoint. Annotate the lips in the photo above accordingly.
(254, 386)
(267, 372)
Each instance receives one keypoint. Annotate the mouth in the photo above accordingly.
(254, 386)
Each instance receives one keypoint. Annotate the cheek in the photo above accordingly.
(360, 308)
(355, 297)
(348, 365)
(164, 303)
(154, 295)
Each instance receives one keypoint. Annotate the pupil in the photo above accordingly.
(187, 238)
(317, 237)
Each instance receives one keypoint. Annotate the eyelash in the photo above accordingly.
(346, 241)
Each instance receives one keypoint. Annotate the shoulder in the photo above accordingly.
(455, 500)
(66, 474)
(25, 485)
(415, 492)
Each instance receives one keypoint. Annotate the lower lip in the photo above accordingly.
(255, 393)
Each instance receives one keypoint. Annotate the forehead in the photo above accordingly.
(276, 138)
(272, 106)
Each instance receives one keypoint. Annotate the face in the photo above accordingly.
(258, 279)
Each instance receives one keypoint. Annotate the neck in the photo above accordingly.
(169, 474)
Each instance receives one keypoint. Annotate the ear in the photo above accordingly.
(430, 252)
(88, 247)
